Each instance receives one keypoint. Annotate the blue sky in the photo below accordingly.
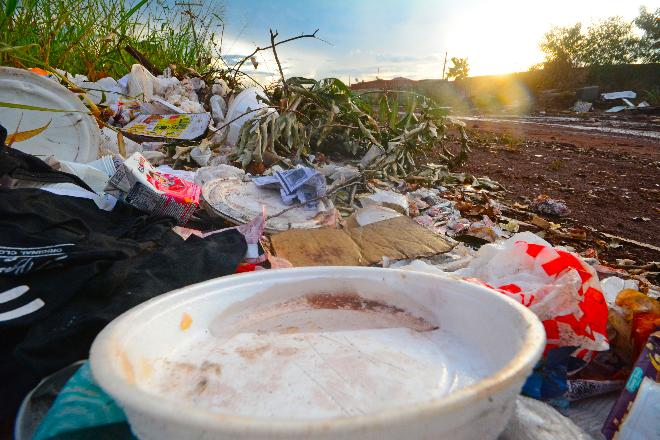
(405, 38)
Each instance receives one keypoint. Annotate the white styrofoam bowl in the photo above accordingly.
(498, 335)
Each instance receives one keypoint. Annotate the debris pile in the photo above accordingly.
(187, 171)
(588, 99)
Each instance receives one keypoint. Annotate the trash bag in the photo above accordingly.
(68, 268)
(18, 166)
(557, 285)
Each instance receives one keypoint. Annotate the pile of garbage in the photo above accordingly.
(589, 98)
(133, 187)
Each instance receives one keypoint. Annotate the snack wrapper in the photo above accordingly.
(141, 185)
(635, 413)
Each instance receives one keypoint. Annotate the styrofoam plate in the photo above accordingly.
(72, 136)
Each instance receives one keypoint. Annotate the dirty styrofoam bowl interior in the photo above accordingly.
(72, 135)
(320, 353)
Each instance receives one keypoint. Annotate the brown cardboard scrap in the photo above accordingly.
(396, 238)
(316, 247)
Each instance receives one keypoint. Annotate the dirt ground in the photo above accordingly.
(609, 181)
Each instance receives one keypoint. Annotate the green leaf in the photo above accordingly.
(10, 7)
(384, 110)
(394, 112)
(130, 12)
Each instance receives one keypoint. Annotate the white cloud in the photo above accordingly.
(410, 38)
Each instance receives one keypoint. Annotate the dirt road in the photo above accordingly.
(609, 179)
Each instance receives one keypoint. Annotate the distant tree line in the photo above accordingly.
(610, 41)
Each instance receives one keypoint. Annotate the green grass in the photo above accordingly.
(653, 96)
(556, 165)
(89, 36)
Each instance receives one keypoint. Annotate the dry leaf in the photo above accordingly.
(121, 146)
(25, 135)
(254, 62)
(543, 223)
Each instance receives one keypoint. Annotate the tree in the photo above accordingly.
(649, 45)
(611, 41)
(459, 68)
(563, 46)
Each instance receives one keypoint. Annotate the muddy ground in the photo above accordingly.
(610, 181)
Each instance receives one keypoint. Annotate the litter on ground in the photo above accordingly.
(116, 191)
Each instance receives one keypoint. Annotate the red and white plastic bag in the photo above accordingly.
(557, 285)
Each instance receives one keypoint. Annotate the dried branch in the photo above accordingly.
(285, 89)
(238, 65)
(139, 56)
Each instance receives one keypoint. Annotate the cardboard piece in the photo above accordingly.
(396, 238)
(317, 247)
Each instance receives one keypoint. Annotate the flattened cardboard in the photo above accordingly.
(317, 247)
(396, 238)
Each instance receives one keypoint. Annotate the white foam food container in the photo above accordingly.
(320, 353)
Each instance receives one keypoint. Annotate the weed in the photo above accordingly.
(89, 36)
(326, 113)
(511, 142)
(653, 96)
(556, 165)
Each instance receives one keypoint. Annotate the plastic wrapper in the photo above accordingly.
(635, 413)
(139, 184)
(178, 126)
(546, 205)
(125, 110)
(485, 229)
(218, 109)
(579, 389)
(557, 285)
(633, 317)
(304, 184)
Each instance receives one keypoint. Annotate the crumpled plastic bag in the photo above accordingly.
(535, 420)
(558, 286)
(222, 171)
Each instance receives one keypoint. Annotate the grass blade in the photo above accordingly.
(35, 108)
(6, 48)
(130, 12)
(10, 8)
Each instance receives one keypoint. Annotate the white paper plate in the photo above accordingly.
(240, 202)
(72, 136)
